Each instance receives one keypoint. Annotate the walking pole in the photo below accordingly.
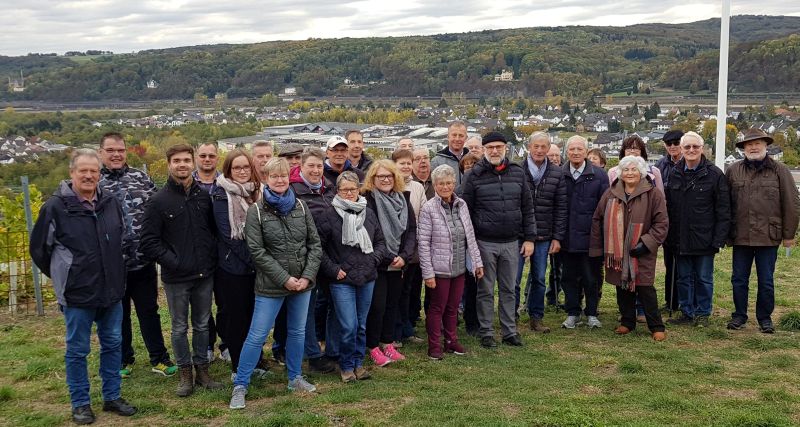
(672, 288)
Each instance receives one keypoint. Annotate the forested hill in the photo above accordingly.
(572, 61)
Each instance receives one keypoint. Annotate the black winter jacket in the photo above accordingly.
(500, 203)
(361, 268)
(318, 202)
(81, 249)
(408, 241)
(178, 232)
(233, 255)
(583, 195)
(699, 206)
(549, 201)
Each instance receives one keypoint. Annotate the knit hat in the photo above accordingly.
(493, 137)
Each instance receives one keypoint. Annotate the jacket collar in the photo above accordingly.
(447, 153)
(618, 189)
(114, 173)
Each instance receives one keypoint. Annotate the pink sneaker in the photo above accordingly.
(392, 353)
(378, 358)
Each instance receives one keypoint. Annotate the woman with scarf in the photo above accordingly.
(286, 252)
(235, 190)
(629, 225)
(352, 249)
(384, 190)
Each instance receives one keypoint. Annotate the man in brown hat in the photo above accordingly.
(764, 207)
(292, 153)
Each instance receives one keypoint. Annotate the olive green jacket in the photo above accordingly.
(282, 247)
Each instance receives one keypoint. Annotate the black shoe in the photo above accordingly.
(681, 319)
(513, 340)
(736, 323)
(280, 358)
(472, 332)
(119, 407)
(766, 327)
(488, 342)
(321, 365)
(83, 415)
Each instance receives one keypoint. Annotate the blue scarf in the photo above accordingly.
(316, 187)
(281, 203)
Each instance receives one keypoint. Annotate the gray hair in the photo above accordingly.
(478, 137)
(405, 138)
(441, 172)
(263, 143)
(578, 138)
(455, 123)
(539, 135)
(695, 135)
(347, 176)
(636, 161)
(83, 152)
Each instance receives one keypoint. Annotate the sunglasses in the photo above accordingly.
(673, 142)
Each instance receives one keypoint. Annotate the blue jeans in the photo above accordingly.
(79, 331)
(535, 287)
(311, 346)
(352, 307)
(764, 257)
(695, 284)
(266, 309)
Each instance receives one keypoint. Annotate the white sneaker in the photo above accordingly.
(225, 356)
(571, 322)
(300, 384)
(237, 397)
(593, 322)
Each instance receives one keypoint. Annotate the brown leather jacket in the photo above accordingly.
(764, 203)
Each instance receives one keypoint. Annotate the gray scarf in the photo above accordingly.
(393, 216)
(353, 216)
(240, 197)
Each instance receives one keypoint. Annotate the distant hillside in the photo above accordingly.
(572, 61)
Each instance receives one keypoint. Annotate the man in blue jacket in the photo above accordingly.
(77, 242)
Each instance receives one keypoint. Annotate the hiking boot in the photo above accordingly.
(203, 379)
(488, 342)
(766, 327)
(622, 330)
(593, 322)
(321, 365)
(119, 407)
(571, 322)
(513, 340)
(681, 319)
(185, 381)
(736, 323)
(166, 369)
(238, 397)
(362, 373)
(125, 371)
(701, 322)
(378, 358)
(83, 415)
(299, 383)
(537, 325)
(225, 356)
(392, 353)
(659, 336)
(455, 347)
(348, 376)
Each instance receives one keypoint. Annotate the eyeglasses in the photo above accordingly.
(241, 169)
(692, 147)
(384, 177)
(494, 147)
(113, 151)
(348, 190)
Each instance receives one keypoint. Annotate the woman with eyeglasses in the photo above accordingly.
(634, 146)
(286, 252)
(384, 191)
(352, 249)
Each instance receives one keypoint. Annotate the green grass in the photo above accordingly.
(566, 378)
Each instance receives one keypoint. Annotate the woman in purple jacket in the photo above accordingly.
(447, 249)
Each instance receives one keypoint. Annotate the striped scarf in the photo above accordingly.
(618, 243)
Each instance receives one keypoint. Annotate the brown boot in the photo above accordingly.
(538, 326)
(203, 379)
(185, 381)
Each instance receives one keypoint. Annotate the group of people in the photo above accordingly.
(335, 247)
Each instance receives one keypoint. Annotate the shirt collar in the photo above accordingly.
(572, 169)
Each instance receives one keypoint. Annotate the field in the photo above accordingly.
(566, 378)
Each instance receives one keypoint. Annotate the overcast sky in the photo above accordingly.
(126, 26)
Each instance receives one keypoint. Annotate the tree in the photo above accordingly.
(442, 103)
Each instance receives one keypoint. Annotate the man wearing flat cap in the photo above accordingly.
(764, 206)
(672, 144)
(292, 153)
(501, 208)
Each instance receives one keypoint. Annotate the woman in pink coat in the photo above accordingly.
(447, 249)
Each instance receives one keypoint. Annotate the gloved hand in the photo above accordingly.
(639, 250)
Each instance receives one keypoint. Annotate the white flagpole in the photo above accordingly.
(722, 90)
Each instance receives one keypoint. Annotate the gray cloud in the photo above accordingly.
(124, 26)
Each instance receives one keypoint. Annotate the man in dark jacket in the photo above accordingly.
(500, 204)
(698, 203)
(672, 142)
(452, 154)
(77, 242)
(764, 213)
(355, 150)
(586, 184)
(549, 193)
(178, 233)
(336, 150)
(132, 188)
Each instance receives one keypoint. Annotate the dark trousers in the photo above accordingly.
(470, 308)
(764, 257)
(670, 279)
(142, 289)
(238, 299)
(321, 310)
(554, 285)
(383, 310)
(579, 279)
(407, 316)
(215, 326)
(626, 301)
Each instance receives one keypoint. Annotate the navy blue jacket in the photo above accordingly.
(583, 195)
(233, 255)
